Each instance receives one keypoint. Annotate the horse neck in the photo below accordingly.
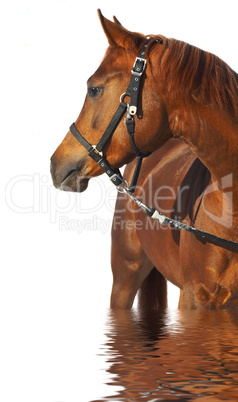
(212, 136)
(199, 91)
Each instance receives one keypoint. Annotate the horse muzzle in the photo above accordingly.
(67, 177)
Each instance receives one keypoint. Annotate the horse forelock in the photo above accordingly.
(187, 69)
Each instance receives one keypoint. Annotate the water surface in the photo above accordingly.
(171, 356)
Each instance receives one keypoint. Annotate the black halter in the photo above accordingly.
(95, 151)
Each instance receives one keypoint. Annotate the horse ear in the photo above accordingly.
(116, 20)
(114, 31)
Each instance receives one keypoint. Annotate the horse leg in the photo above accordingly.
(132, 270)
(153, 292)
(129, 271)
(180, 303)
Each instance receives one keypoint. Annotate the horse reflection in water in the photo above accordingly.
(187, 118)
(178, 355)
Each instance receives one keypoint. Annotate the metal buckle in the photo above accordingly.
(95, 150)
(138, 74)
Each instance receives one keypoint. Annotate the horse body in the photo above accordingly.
(188, 119)
(177, 183)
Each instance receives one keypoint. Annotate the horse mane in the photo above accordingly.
(202, 75)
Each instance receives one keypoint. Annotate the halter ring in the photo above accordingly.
(122, 190)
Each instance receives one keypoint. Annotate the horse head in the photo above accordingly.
(71, 166)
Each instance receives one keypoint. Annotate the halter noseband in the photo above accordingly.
(95, 151)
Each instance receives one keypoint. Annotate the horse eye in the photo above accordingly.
(94, 91)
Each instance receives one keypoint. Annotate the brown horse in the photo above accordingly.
(187, 119)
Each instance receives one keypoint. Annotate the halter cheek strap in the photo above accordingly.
(95, 151)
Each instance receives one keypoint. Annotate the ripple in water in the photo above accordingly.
(172, 355)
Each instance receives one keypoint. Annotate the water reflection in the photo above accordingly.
(173, 355)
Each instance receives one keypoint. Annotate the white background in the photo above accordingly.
(52, 297)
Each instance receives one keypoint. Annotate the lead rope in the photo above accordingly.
(164, 220)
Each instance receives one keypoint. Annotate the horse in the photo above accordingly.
(187, 121)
